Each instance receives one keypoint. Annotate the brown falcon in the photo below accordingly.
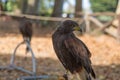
(71, 51)
(25, 28)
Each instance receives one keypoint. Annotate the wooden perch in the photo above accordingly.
(39, 17)
(99, 14)
(87, 19)
(114, 26)
(103, 27)
(97, 22)
(108, 24)
(103, 13)
(110, 33)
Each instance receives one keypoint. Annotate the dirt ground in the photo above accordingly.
(105, 54)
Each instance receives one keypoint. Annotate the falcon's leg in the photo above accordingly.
(75, 77)
(78, 76)
(66, 75)
(26, 52)
(26, 40)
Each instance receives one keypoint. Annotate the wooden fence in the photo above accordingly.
(87, 19)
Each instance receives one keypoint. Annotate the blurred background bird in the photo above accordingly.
(26, 30)
(72, 52)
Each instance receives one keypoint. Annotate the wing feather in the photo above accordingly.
(79, 50)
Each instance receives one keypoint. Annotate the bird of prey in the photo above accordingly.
(72, 52)
(25, 28)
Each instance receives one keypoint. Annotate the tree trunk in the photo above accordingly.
(33, 7)
(36, 7)
(24, 6)
(1, 7)
(78, 8)
(30, 7)
(58, 8)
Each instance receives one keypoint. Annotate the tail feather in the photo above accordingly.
(88, 77)
(27, 47)
(93, 73)
(84, 75)
(88, 68)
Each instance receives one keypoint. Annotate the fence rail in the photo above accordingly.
(87, 19)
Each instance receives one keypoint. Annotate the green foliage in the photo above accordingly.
(9, 6)
(103, 5)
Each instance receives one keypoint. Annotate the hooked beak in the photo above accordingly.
(77, 28)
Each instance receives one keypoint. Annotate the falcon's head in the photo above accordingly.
(69, 26)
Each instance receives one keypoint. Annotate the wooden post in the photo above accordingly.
(118, 13)
(118, 29)
(87, 22)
